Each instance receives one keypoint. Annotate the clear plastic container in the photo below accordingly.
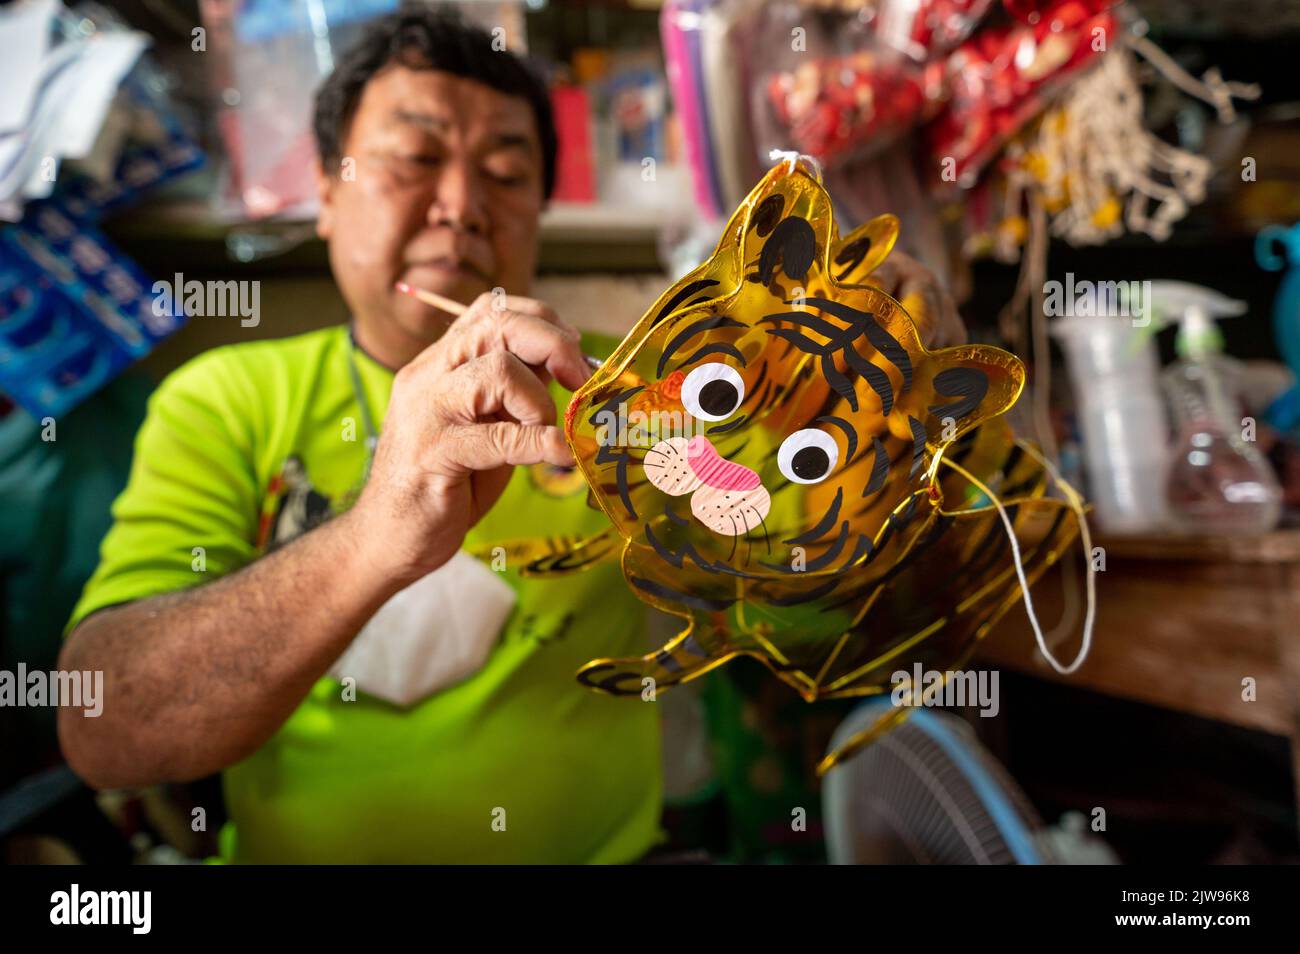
(1218, 483)
(1115, 376)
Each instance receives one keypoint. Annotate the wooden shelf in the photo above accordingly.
(1182, 623)
(1280, 546)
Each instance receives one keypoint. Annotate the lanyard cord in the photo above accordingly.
(367, 421)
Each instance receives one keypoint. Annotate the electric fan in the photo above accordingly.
(926, 792)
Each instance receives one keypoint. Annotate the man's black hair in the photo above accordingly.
(427, 39)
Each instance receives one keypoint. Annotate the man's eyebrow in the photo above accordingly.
(699, 327)
(505, 138)
(512, 140)
(424, 120)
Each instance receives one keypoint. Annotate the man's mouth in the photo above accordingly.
(444, 269)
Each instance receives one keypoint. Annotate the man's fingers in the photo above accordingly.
(926, 300)
(885, 277)
(942, 326)
(497, 382)
(504, 444)
(528, 328)
(490, 302)
(533, 340)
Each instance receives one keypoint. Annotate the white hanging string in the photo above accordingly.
(794, 157)
(1076, 504)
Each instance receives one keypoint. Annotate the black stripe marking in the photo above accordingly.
(686, 599)
(816, 593)
(671, 305)
(609, 406)
(792, 244)
(718, 347)
(678, 559)
(695, 328)
(620, 475)
(880, 339)
(878, 470)
(850, 435)
(918, 443)
(753, 388)
(767, 214)
(802, 342)
(863, 547)
(841, 385)
(851, 255)
(823, 525)
(804, 320)
(940, 526)
(823, 561)
(876, 377)
(665, 660)
(968, 385)
(729, 426)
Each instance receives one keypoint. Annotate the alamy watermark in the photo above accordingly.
(210, 299)
(1088, 299)
(644, 429)
(947, 688)
(133, 909)
(36, 689)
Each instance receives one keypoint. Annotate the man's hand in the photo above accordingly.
(926, 300)
(467, 410)
(462, 414)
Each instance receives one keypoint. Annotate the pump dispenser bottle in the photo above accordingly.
(1218, 481)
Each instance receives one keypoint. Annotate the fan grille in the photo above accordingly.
(909, 799)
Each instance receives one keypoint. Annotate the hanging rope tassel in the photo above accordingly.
(1076, 504)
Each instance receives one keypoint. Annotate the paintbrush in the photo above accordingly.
(453, 307)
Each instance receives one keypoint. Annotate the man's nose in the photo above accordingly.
(458, 199)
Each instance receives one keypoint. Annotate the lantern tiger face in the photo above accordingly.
(768, 443)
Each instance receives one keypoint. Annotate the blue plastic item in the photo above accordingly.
(1277, 247)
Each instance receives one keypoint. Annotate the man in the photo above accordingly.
(437, 155)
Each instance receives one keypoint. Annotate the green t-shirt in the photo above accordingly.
(247, 439)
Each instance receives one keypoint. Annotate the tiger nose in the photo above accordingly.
(716, 471)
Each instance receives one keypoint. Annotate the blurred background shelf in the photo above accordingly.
(1182, 624)
(1279, 546)
(575, 237)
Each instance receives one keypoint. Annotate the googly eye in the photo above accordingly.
(712, 392)
(807, 456)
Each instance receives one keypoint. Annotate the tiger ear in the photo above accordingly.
(789, 231)
(957, 389)
(716, 277)
(739, 254)
(858, 254)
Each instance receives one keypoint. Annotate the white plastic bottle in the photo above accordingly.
(1114, 374)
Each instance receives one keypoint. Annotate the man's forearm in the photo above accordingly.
(197, 680)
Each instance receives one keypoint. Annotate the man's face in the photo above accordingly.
(440, 186)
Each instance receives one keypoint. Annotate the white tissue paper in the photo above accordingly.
(57, 96)
(431, 635)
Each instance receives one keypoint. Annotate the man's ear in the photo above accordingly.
(325, 186)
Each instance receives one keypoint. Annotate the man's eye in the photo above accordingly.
(410, 166)
(507, 178)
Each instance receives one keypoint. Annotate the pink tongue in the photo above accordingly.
(717, 471)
